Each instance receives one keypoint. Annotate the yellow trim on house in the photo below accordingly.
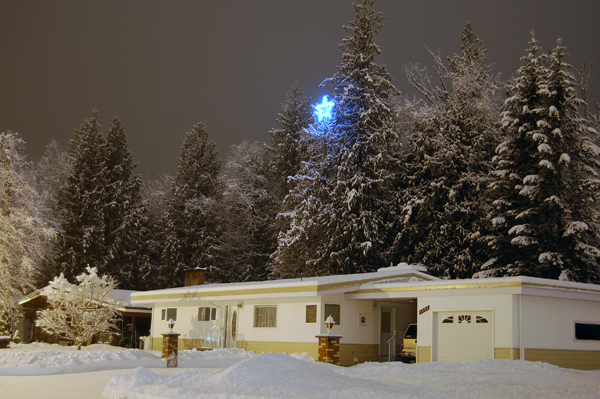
(572, 359)
(312, 348)
(316, 288)
(423, 354)
(362, 353)
(505, 353)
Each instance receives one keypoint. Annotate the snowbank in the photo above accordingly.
(237, 374)
(45, 359)
(280, 376)
(270, 375)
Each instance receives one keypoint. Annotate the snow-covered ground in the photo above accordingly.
(100, 371)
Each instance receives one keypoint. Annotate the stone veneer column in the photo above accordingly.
(169, 349)
(329, 348)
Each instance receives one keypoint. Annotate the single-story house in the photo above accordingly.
(457, 320)
(134, 321)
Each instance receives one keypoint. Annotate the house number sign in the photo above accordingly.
(425, 309)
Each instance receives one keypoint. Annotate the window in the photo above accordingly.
(334, 311)
(448, 320)
(480, 319)
(213, 314)
(204, 314)
(587, 331)
(386, 322)
(464, 318)
(311, 313)
(163, 314)
(265, 316)
(171, 314)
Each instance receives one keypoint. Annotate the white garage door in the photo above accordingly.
(463, 336)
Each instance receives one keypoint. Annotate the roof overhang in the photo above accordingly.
(519, 285)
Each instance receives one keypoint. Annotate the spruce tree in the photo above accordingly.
(338, 221)
(546, 183)
(247, 211)
(443, 204)
(124, 214)
(286, 141)
(192, 231)
(81, 240)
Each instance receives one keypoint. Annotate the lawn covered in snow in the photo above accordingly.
(239, 374)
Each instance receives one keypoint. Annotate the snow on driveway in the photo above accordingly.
(100, 371)
(276, 375)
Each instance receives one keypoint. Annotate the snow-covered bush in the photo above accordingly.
(79, 311)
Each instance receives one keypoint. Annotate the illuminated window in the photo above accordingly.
(265, 316)
(204, 314)
(311, 313)
(171, 313)
(334, 311)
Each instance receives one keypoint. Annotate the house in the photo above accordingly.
(134, 319)
(457, 320)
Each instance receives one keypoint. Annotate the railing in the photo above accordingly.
(213, 337)
(390, 342)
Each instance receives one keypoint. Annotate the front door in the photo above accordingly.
(387, 325)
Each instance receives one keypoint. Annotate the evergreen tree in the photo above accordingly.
(81, 240)
(247, 212)
(286, 141)
(124, 214)
(192, 231)
(546, 183)
(444, 206)
(339, 202)
(156, 197)
(102, 222)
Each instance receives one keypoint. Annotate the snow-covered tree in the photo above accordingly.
(454, 128)
(81, 239)
(49, 176)
(286, 141)
(247, 211)
(24, 234)
(77, 312)
(124, 213)
(101, 215)
(342, 195)
(191, 237)
(547, 183)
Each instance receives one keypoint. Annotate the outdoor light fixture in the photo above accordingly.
(329, 323)
(171, 324)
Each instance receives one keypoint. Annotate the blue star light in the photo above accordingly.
(323, 110)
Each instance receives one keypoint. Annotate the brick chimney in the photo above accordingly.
(194, 276)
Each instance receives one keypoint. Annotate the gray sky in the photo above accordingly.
(165, 65)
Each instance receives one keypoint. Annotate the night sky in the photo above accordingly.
(165, 65)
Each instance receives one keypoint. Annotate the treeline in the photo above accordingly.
(471, 177)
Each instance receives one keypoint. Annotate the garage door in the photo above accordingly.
(463, 336)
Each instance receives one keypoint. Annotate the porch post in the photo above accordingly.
(329, 348)
(169, 349)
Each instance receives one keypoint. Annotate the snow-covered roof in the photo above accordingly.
(122, 295)
(516, 285)
(298, 286)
